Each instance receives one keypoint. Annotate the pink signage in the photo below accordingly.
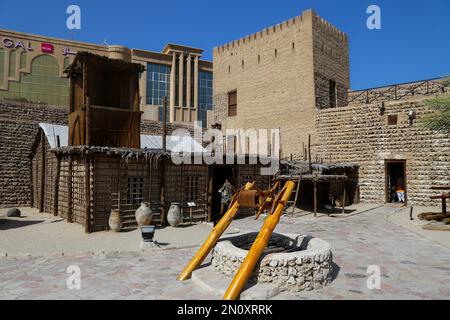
(47, 47)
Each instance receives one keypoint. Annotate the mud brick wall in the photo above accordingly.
(360, 134)
(18, 129)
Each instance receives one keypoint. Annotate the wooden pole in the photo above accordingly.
(343, 200)
(212, 239)
(88, 122)
(56, 187)
(210, 191)
(42, 194)
(258, 246)
(315, 198)
(164, 125)
(69, 190)
(309, 153)
(87, 195)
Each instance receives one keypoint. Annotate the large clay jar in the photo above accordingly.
(144, 214)
(115, 221)
(174, 215)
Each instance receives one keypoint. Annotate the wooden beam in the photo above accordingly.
(87, 195)
(42, 171)
(69, 191)
(315, 199)
(56, 187)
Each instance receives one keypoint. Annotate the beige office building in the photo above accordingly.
(32, 70)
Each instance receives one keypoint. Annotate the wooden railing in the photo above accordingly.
(397, 92)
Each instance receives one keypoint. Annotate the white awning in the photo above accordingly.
(173, 143)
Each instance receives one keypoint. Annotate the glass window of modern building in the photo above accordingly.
(158, 82)
(205, 92)
(43, 85)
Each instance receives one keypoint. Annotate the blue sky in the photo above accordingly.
(413, 43)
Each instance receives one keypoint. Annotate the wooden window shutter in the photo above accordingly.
(232, 104)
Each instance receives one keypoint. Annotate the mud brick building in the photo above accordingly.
(280, 77)
(18, 126)
(295, 76)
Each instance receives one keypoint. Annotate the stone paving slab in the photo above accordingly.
(411, 266)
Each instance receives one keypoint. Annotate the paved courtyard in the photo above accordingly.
(411, 266)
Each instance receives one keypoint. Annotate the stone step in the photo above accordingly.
(216, 283)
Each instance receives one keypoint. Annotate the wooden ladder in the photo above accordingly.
(296, 192)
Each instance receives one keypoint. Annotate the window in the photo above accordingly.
(205, 97)
(242, 64)
(232, 103)
(259, 58)
(276, 53)
(135, 190)
(158, 82)
(293, 46)
(43, 85)
(332, 93)
(229, 69)
(392, 119)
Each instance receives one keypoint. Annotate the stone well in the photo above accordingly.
(290, 262)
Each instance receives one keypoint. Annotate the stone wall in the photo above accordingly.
(18, 129)
(360, 134)
(307, 266)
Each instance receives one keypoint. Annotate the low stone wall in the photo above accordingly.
(362, 134)
(307, 266)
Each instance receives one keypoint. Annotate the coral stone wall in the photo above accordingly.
(308, 266)
(360, 134)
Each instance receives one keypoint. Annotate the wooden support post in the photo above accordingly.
(210, 192)
(87, 195)
(56, 187)
(164, 128)
(444, 205)
(315, 198)
(88, 122)
(42, 193)
(309, 153)
(343, 200)
(162, 194)
(69, 191)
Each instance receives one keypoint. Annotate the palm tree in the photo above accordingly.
(439, 119)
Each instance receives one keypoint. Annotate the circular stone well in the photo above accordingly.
(291, 262)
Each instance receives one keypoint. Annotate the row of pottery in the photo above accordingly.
(144, 216)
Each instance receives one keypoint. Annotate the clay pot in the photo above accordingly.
(174, 214)
(144, 214)
(115, 221)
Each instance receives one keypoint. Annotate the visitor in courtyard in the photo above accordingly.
(400, 190)
(226, 193)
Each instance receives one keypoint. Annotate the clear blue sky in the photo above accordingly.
(413, 44)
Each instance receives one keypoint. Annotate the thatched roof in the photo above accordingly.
(150, 155)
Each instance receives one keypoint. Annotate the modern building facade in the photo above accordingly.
(32, 70)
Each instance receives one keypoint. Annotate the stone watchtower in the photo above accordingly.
(280, 76)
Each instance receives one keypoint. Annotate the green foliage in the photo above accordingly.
(439, 119)
(446, 81)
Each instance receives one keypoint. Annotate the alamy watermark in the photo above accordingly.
(73, 21)
(234, 146)
(374, 278)
(73, 282)
(374, 20)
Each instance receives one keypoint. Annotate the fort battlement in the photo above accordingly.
(308, 15)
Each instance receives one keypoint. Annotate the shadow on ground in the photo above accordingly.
(6, 224)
